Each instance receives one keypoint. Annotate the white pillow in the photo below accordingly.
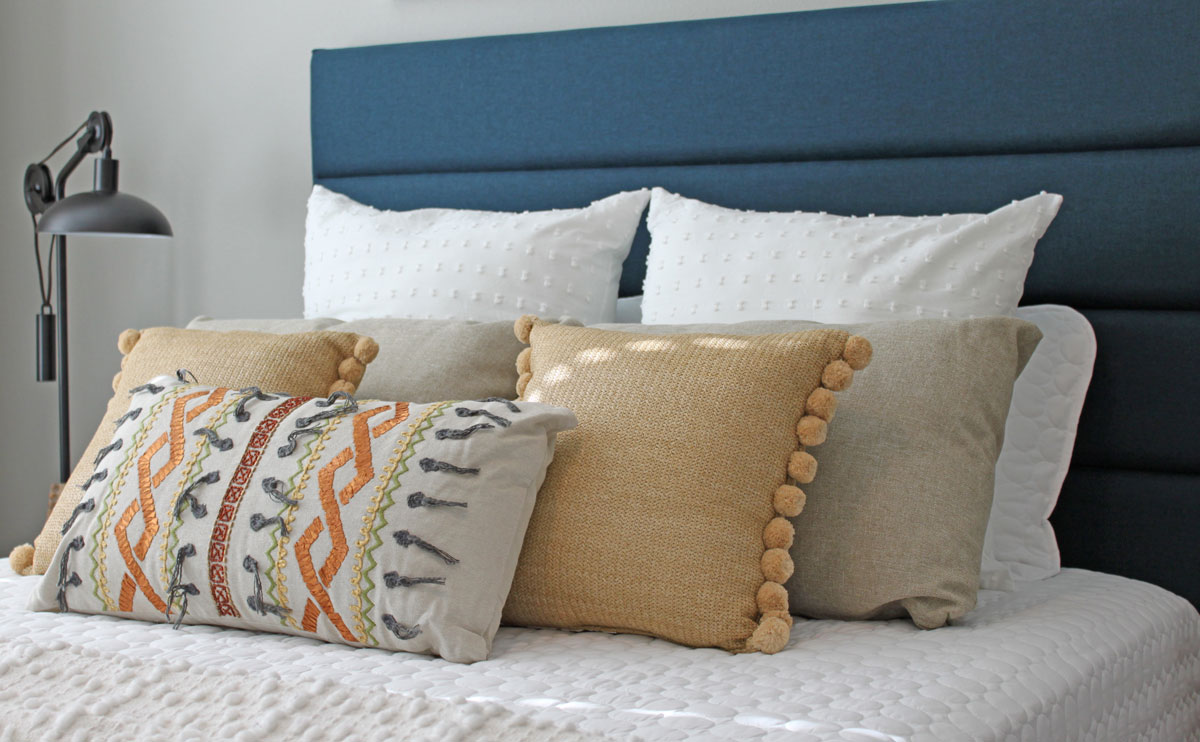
(712, 264)
(1039, 437)
(456, 264)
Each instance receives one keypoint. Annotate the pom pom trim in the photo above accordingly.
(789, 500)
(352, 370)
(857, 352)
(21, 559)
(523, 326)
(771, 635)
(522, 383)
(127, 339)
(811, 430)
(366, 350)
(775, 622)
(821, 403)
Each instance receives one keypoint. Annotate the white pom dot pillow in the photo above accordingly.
(375, 524)
(362, 262)
(712, 264)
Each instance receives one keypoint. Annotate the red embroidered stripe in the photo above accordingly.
(218, 546)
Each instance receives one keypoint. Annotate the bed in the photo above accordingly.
(910, 109)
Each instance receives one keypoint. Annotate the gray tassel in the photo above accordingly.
(406, 539)
(431, 465)
(402, 632)
(420, 499)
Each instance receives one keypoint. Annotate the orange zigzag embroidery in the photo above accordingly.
(360, 452)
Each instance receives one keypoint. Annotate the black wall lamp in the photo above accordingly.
(101, 211)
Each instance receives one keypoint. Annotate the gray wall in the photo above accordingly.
(210, 106)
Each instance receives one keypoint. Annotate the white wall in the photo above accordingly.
(210, 106)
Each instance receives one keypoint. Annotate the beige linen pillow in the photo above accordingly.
(314, 363)
(420, 359)
(896, 521)
(369, 523)
(660, 514)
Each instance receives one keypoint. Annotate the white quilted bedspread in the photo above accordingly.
(1080, 656)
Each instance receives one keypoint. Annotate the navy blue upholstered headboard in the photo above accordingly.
(919, 108)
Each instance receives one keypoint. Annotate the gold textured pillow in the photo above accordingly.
(303, 364)
(661, 513)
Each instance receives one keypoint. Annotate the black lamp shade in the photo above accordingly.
(104, 213)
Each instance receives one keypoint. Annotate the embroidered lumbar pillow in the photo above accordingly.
(666, 512)
(309, 363)
(379, 524)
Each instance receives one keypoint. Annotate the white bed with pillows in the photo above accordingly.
(798, 487)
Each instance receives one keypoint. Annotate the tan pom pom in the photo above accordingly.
(779, 534)
(837, 376)
(126, 340)
(523, 364)
(789, 501)
(777, 565)
(858, 352)
(523, 326)
(116, 381)
(811, 430)
(366, 349)
(770, 637)
(821, 403)
(522, 382)
(21, 559)
(351, 369)
(802, 467)
(772, 597)
(781, 615)
(341, 385)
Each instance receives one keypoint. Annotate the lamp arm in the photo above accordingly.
(97, 135)
(41, 191)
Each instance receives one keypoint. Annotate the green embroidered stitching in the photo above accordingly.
(203, 450)
(362, 606)
(99, 570)
(278, 591)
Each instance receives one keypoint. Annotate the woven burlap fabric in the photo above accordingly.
(651, 517)
(299, 364)
(419, 359)
(895, 520)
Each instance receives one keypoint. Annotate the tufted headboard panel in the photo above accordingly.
(919, 108)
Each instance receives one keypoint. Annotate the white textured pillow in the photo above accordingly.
(1039, 437)
(712, 264)
(457, 264)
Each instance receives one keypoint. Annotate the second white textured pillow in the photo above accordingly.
(1039, 438)
(362, 262)
(712, 264)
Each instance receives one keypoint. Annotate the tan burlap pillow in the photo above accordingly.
(419, 359)
(896, 521)
(309, 364)
(660, 514)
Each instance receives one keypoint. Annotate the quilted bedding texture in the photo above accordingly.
(1080, 656)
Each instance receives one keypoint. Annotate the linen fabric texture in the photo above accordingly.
(661, 513)
(419, 359)
(375, 524)
(712, 264)
(460, 264)
(315, 363)
(895, 522)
